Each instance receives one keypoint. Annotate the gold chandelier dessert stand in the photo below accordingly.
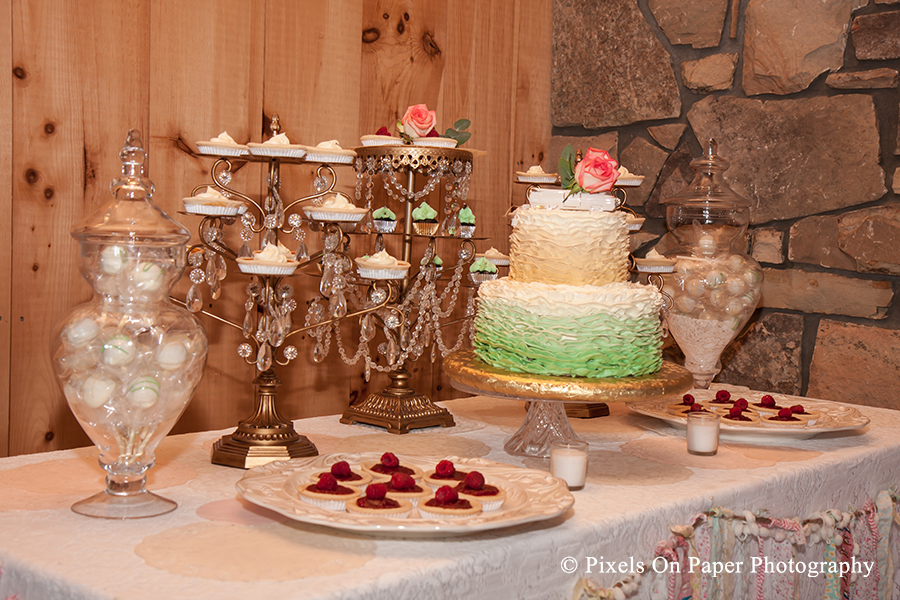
(546, 419)
(399, 408)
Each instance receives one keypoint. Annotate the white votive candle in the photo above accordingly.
(568, 461)
(702, 433)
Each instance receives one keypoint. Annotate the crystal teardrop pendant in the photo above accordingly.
(194, 299)
(247, 329)
(221, 267)
(215, 288)
(276, 333)
(302, 252)
(211, 274)
(319, 353)
(379, 244)
(393, 352)
(325, 283)
(367, 328)
(264, 358)
(270, 238)
(339, 305)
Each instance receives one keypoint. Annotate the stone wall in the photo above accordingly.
(802, 97)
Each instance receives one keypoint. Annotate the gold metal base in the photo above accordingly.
(264, 437)
(398, 408)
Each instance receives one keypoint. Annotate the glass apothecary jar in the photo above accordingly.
(129, 360)
(715, 286)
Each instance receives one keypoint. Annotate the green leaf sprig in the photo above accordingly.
(566, 168)
(458, 132)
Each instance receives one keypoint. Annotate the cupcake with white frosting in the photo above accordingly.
(381, 266)
(329, 151)
(336, 208)
(627, 178)
(273, 259)
(278, 145)
(536, 174)
(495, 256)
(222, 145)
(213, 202)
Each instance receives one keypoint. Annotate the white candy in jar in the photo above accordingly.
(736, 286)
(118, 350)
(715, 278)
(752, 277)
(685, 304)
(736, 263)
(143, 391)
(83, 331)
(171, 355)
(112, 259)
(735, 306)
(97, 390)
(695, 287)
(718, 297)
(148, 277)
(707, 244)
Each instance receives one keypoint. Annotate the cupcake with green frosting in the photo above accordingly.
(385, 220)
(425, 219)
(482, 270)
(466, 222)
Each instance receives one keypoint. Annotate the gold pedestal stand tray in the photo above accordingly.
(398, 408)
(263, 437)
(546, 419)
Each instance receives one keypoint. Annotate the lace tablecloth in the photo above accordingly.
(641, 480)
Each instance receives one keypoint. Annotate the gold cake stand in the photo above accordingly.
(546, 419)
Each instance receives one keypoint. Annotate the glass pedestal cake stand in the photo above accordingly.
(546, 419)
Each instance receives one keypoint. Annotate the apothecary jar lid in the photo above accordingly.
(131, 217)
(708, 186)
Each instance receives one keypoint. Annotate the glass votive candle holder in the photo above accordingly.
(568, 461)
(702, 433)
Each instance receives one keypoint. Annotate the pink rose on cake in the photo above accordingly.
(417, 121)
(597, 171)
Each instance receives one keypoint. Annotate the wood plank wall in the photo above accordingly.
(83, 73)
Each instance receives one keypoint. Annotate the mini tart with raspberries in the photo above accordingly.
(390, 464)
(346, 476)
(767, 404)
(740, 416)
(446, 504)
(326, 493)
(687, 401)
(723, 398)
(811, 416)
(473, 486)
(786, 418)
(445, 473)
(376, 502)
(402, 486)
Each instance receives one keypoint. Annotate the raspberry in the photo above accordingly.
(341, 469)
(735, 411)
(785, 412)
(723, 395)
(402, 481)
(797, 408)
(767, 400)
(446, 495)
(445, 468)
(382, 131)
(696, 408)
(376, 491)
(326, 482)
(389, 460)
(687, 399)
(474, 480)
(741, 403)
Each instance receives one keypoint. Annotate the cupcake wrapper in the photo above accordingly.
(490, 505)
(536, 178)
(383, 142)
(267, 269)
(435, 142)
(398, 273)
(208, 209)
(221, 150)
(340, 159)
(629, 181)
(482, 277)
(338, 505)
(498, 262)
(383, 226)
(386, 515)
(278, 151)
(335, 217)
(655, 268)
(636, 226)
(466, 231)
(425, 227)
(425, 514)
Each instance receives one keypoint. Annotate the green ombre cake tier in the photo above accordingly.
(586, 331)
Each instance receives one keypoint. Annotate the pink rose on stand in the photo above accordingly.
(418, 120)
(597, 171)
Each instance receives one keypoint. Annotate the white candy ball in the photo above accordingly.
(718, 298)
(83, 331)
(148, 277)
(112, 259)
(118, 350)
(735, 286)
(707, 244)
(734, 307)
(715, 278)
(97, 390)
(695, 287)
(685, 304)
(171, 355)
(143, 392)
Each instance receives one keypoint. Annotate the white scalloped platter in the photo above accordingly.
(833, 416)
(532, 495)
